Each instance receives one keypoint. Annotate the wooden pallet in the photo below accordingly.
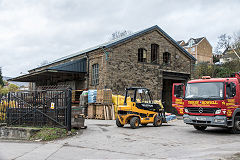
(91, 111)
(104, 96)
(99, 116)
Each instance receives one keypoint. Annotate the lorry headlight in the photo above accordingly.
(218, 111)
(219, 120)
(186, 110)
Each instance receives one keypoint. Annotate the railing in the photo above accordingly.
(50, 107)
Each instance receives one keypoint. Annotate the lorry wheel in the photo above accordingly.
(118, 123)
(200, 128)
(157, 121)
(236, 127)
(134, 122)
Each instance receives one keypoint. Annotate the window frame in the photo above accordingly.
(141, 55)
(154, 53)
(166, 58)
(95, 74)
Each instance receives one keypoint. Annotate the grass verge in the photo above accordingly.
(49, 134)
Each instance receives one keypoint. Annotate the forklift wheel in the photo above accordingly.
(144, 124)
(157, 121)
(134, 122)
(118, 123)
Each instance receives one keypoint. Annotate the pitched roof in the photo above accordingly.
(229, 53)
(121, 40)
(179, 42)
(195, 41)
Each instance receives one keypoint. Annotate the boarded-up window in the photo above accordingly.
(154, 53)
(142, 55)
(166, 58)
(95, 74)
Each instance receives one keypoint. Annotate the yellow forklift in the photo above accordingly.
(140, 109)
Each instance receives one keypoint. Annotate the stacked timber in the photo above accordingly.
(104, 96)
(103, 108)
(101, 111)
(76, 95)
(91, 114)
(105, 112)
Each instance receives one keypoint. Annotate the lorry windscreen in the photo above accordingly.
(205, 91)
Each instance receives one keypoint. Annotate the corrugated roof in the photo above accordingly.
(121, 40)
(72, 66)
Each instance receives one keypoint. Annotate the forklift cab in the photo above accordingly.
(142, 98)
(139, 109)
(138, 95)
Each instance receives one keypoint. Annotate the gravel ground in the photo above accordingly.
(104, 140)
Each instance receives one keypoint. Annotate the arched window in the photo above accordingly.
(166, 58)
(154, 53)
(142, 55)
(95, 74)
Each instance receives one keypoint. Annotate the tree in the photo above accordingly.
(119, 34)
(43, 63)
(236, 42)
(224, 42)
(12, 88)
(4, 90)
(1, 78)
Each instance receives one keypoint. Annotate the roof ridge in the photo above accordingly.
(115, 42)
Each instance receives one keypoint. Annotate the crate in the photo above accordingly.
(91, 111)
(100, 111)
(105, 112)
(104, 96)
(99, 116)
(76, 95)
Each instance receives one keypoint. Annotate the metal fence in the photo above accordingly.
(50, 107)
(3, 106)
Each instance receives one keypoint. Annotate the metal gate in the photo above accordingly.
(50, 107)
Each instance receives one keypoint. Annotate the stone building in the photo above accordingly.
(149, 58)
(200, 48)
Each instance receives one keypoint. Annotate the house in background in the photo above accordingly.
(200, 48)
(227, 56)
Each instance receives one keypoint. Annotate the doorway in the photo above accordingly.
(167, 94)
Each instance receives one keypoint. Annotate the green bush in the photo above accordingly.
(216, 71)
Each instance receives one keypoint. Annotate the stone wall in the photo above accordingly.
(17, 133)
(124, 70)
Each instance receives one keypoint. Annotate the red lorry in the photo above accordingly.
(209, 102)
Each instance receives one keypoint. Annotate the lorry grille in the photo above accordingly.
(201, 110)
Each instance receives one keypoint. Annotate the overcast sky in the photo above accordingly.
(32, 31)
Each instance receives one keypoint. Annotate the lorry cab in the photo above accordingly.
(209, 102)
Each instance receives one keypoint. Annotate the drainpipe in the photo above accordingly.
(87, 70)
(196, 55)
(106, 58)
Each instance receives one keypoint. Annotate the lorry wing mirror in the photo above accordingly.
(233, 89)
(178, 91)
(230, 90)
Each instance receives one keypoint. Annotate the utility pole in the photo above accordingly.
(235, 52)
